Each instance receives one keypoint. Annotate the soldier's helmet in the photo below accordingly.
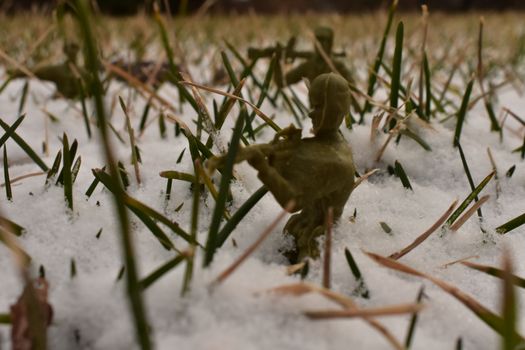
(325, 36)
(330, 100)
(71, 51)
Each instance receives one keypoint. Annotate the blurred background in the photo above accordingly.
(130, 7)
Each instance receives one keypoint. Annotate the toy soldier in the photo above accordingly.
(316, 61)
(67, 76)
(317, 173)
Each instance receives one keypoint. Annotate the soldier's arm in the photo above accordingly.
(296, 74)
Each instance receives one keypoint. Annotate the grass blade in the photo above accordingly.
(92, 65)
(400, 172)
(8, 192)
(56, 165)
(488, 317)
(469, 176)
(495, 272)
(372, 78)
(396, 71)
(212, 242)
(23, 97)
(511, 225)
(361, 288)
(468, 200)
(421, 238)
(161, 271)
(413, 320)
(230, 225)
(66, 170)
(29, 151)
(462, 112)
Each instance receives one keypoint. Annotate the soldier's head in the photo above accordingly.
(329, 100)
(325, 37)
(71, 51)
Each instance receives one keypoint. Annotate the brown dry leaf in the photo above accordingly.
(30, 317)
(298, 289)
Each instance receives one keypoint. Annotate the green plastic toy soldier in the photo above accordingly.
(317, 173)
(65, 75)
(315, 63)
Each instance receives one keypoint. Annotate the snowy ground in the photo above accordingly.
(91, 310)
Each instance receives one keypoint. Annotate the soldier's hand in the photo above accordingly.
(257, 159)
(215, 163)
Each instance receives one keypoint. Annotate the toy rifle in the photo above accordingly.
(287, 52)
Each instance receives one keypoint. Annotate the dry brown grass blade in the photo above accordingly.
(254, 246)
(484, 314)
(459, 222)
(254, 107)
(208, 123)
(21, 177)
(209, 184)
(376, 120)
(395, 310)
(365, 177)
(425, 234)
(328, 249)
(459, 261)
(298, 289)
(290, 270)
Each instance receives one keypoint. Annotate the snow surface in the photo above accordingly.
(91, 310)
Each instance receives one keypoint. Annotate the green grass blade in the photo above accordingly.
(75, 169)
(8, 192)
(413, 320)
(5, 319)
(495, 272)
(23, 98)
(361, 288)
(93, 184)
(409, 133)
(91, 58)
(84, 109)
(161, 271)
(462, 112)
(400, 172)
(428, 87)
(372, 78)
(188, 274)
(29, 151)
(54, 169)
(66, 169)
(511, 225)
(396, 71)
(11, 130)
(469, 176)
(468, 200)
(245, 208)
(212, 242)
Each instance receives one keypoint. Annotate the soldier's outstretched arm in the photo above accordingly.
(282, 190)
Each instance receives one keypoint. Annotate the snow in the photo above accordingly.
(91, 309)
